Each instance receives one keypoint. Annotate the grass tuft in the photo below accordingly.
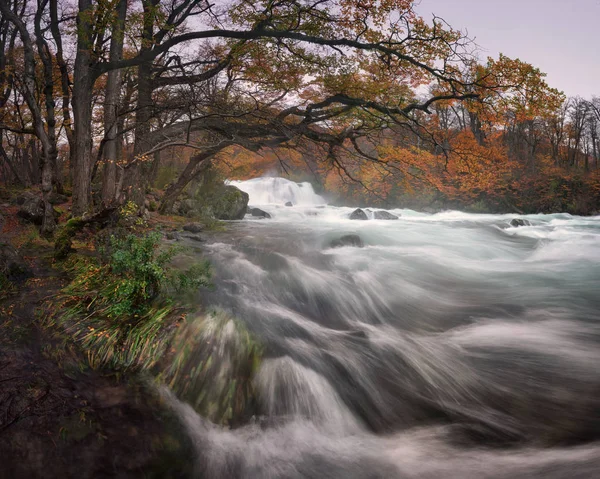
(118, 307)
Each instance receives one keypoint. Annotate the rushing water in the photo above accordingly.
(451, 345)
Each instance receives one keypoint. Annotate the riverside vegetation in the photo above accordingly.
(125, 314)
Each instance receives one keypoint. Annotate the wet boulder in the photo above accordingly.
(289, 203)
(193, 227)
(384, 215)
(194, 237)
(516, 222)
(221, 389)
(223, 202)
(12, 265)
(257, 212)
(358, 214)
(347, 240)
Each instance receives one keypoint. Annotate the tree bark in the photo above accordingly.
(83, 79)
(46, 58)
(28, 91)
(111, 109)
(64, 79)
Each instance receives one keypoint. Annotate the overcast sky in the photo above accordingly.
(560, 37)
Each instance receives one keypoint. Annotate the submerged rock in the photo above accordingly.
(347, 240)
(384, 215)
(516, 222)
(193, 227)
(289, 203)
(259, 213)
(194, 237)
(358, 214)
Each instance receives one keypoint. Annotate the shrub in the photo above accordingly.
(119, 307)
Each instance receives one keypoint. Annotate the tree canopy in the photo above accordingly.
(96, 92)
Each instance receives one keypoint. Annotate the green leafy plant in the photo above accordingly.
(119, 306)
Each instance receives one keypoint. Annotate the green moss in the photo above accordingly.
(63, 243)
(212, 369)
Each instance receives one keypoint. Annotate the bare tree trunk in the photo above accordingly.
(154, 169)
(29, 88)
(84, 77)
(11, 166)
(476, 128)
(111, 109)
(46, 57)
(135, 180)
(64, 80)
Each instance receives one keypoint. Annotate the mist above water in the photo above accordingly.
(273, 190)
(451, 345)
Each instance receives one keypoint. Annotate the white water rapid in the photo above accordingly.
(451, 345)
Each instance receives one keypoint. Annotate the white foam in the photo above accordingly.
(278, 191)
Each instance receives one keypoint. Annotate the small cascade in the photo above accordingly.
(279, 191)
(448, 345)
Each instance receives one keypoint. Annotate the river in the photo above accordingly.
(451, 345)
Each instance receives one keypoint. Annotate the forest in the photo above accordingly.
(368, 101)
(409, 288)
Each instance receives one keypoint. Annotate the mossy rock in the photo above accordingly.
(213, 367)
(64, 239)
(224, 203)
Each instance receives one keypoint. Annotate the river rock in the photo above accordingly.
(289, 203)
(358, 214)
(516, 222)
(347, 240)
(32, 210)
(193, 227)
(259, 213)
(223, 202)
(12, 265)
(172, 235)
(186, 207)
(384, 215)
(194, 237)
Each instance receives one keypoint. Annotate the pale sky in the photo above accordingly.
(560, 37)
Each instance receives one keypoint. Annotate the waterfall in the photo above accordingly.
(267, 191)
